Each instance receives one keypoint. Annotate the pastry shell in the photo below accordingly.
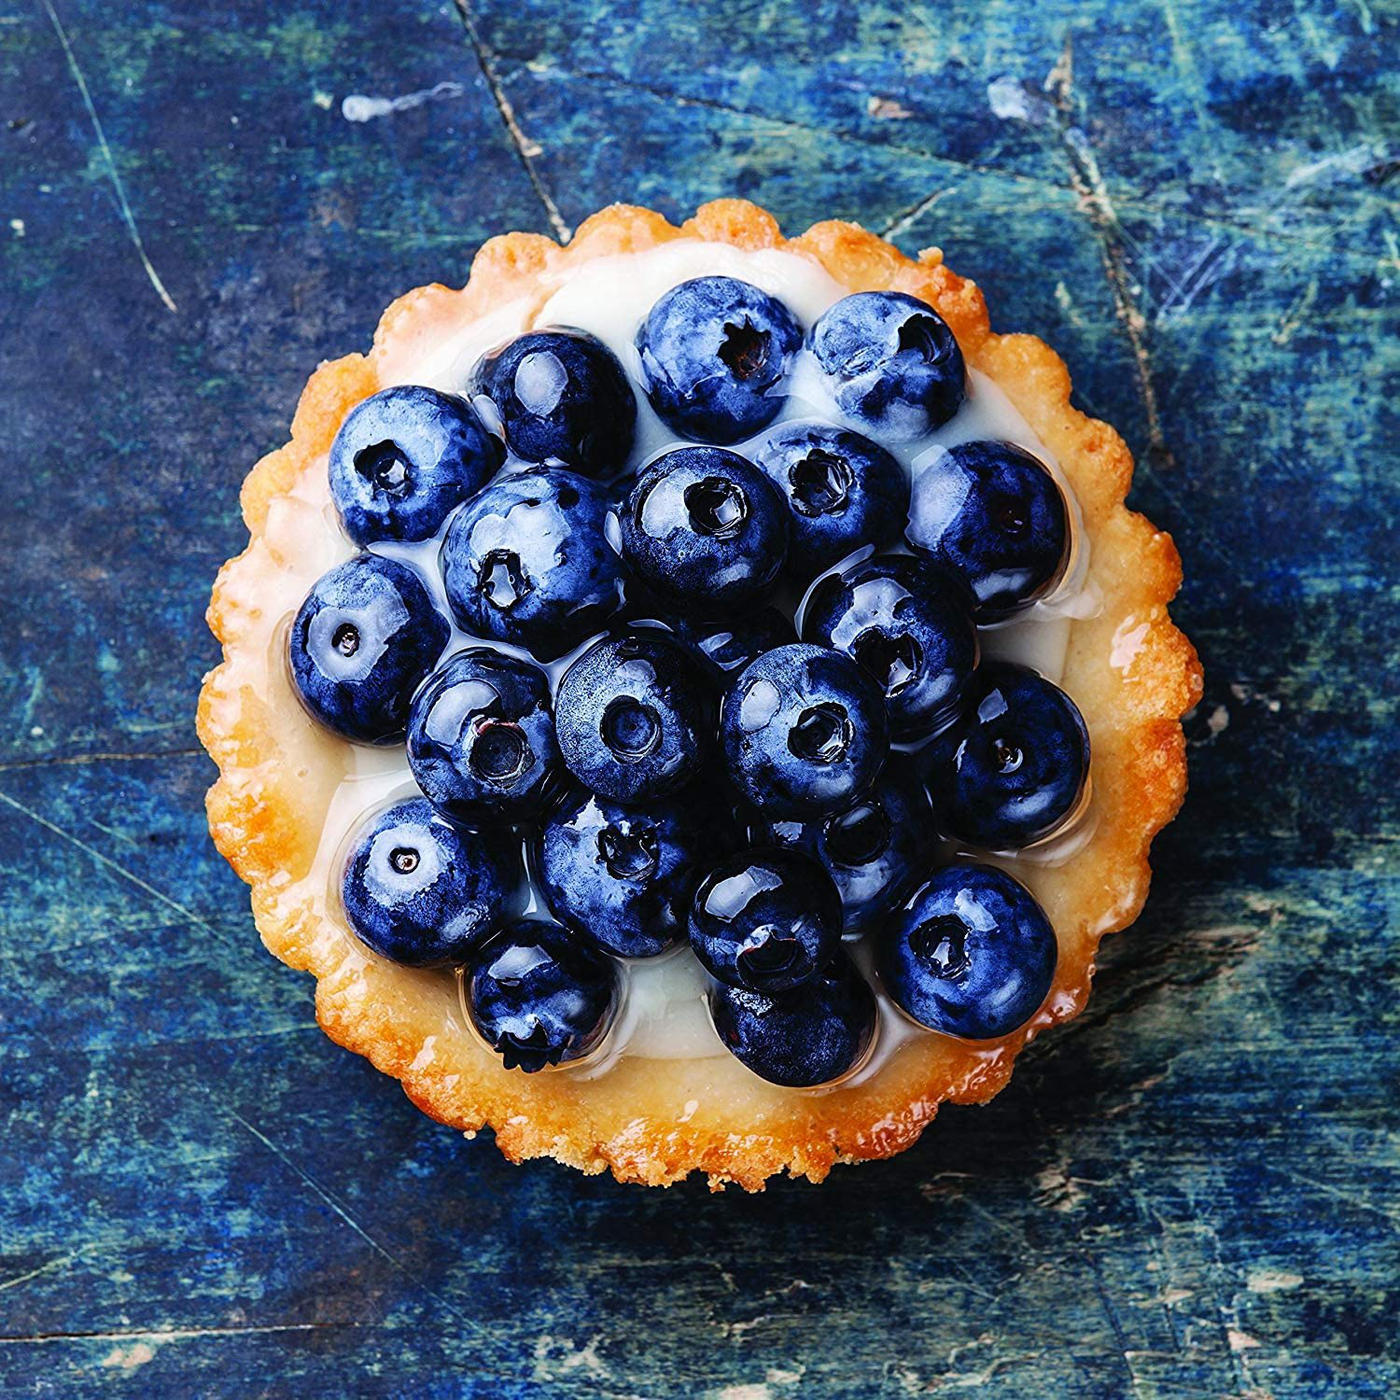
(1132, 673)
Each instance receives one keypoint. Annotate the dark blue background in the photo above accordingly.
(1191, 1191)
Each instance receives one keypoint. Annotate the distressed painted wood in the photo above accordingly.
(1192, 1191)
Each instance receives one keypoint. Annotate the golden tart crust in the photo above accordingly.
(1132, 673)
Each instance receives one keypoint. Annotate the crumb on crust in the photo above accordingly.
(1131, 671)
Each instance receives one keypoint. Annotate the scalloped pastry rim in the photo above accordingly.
(628, 1123)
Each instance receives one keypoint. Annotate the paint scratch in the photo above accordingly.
(128, 218)
(526, 149)
(344, 1214)
(359, 108)
(886, 109)
(1013, 100)
(66, 760)
(129, 1358)
(316, 1187)
(107, 861)
(1296, 314)
(1212, 263)
(906, 217)
(1356, 160)
(162, 1335)
(1359, 1202)
(36, 1273)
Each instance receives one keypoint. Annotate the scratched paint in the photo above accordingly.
(1189, 1191)
(359, 108)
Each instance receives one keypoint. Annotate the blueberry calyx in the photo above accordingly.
(820, 483)
(822, 733)
(627, 856)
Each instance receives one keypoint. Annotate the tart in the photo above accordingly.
(695, 699)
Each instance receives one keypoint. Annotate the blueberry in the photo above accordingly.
(715, 353)
(812, 1035)
(730, 644)
(361, 642)
(564, 400)
(872, 850)
(481, 737)
(804, 731)
(404, 459)
(1015, 766)
(624, 876)
(970, 953)
(705, 528)
(526, 561)
(634, 716)
(421, 891)
(537, 996)
(992, 515)
(843, 491)
(767, 920)
(909, 627)
(891, 363)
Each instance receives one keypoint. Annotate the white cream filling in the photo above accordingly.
(664, 1013)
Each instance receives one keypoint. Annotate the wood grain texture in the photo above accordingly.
(1191, 1191)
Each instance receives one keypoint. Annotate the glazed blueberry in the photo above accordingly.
(634, 715)
(891, 362)
(624, 876)
(731, 644)
(908, 626)
(526, 561)
(804, 731)
(970, 953)
(767, 920)
(564, 400)
(404, 459)
(872, 850)
(811, 1035)
(992, 515)
(538, 996)
(704, 528)
(715, 353)
(1015, 766)
(421, 891)
(842, 490)
(481, 737)
(362, 641)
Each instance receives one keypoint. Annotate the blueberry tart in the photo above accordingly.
(695, 699)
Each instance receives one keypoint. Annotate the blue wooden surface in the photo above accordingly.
(1191, 1191)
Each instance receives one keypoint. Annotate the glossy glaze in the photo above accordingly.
(803, 730)
(715, 352)
(420, 890)
(622, 876)
(991, 514)
(527, 561)
(812, 1035)
(891, 363)
(766, 919)
(908, 627)
(634, 716)
(361, 643)
(563, 400)
(404, 459)
(970, 953)
(1014, 768)
(539, 997)
(705, 529)
(481, 740)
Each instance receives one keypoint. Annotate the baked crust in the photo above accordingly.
(1132, 673)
